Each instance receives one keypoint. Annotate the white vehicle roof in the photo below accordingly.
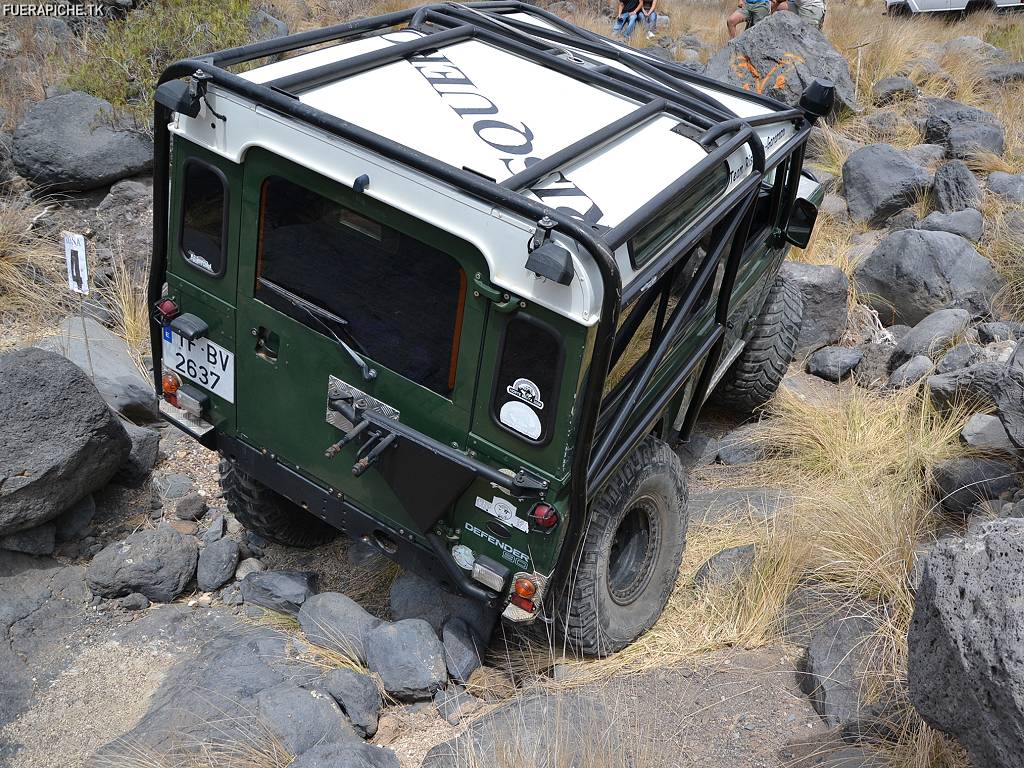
(487, 110)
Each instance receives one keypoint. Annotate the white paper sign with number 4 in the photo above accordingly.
(78, 269)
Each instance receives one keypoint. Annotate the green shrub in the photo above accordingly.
(123, 62)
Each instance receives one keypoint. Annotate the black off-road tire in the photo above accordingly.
(754, 376)
(270, 514)
(606, 604)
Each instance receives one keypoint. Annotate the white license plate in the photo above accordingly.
(207, 364)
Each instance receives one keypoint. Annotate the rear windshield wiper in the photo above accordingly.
(318, 313)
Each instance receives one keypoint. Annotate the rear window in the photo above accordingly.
(529, 369)
(674, 218)
(391, 297)
(204, 201)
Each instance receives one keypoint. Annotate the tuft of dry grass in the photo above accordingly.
(31, 265)
(125, 295)
(1003, 245)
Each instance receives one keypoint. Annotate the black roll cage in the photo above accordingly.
(607, 429)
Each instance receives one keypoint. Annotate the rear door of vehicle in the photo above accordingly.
(202, 267)
(330, 276)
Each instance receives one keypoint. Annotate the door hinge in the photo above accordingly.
(503, 300)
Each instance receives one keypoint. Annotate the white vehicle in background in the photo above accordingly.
(894, 7)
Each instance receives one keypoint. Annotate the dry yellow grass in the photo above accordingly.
(125, 295)
(31, 263)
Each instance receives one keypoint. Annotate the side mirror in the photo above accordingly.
(801, 222)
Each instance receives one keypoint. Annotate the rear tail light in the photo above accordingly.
(544, 516)
(170, 384)
(525, 588)
(523, 602)
(166, 310)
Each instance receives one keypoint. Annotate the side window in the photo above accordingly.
(672, 220)
(529, 373)
(204, 206)
(395, 299)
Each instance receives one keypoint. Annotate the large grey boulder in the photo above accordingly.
(880, 181)
(523, 728)
(961, 483)
(1007, 185)
(930, 337)
(408, 658)
(893, 89)
(834, 363)
(913, 273)
(911, 372)
(987, 434)
(825, 291)
(217, 563)
(107, 361)
(955, 188)
(412, 597)
(963, 130)
(74, 142)
(358, 697)
(40, 540)
(960, 356)
(1009, 397)
(159, 563)
(837, 658)
(966, 668)
(976, 385)
(281, 591)
(462, 649)
(301, 719)
(780, 57)
(142, 457)
(335, 621)
(968, 223)
(209, 699)
(726, 567)
(346, 755)
(58, 440)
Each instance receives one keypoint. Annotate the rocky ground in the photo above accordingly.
(143, 626)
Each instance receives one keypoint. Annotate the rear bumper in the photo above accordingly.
(397, 544)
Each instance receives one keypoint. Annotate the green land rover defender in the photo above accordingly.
(456, 282)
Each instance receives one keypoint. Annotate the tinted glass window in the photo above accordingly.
(202, 227)
(528, 375)
(674, 218)
(394, 299)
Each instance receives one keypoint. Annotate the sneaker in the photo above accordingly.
(650, 35)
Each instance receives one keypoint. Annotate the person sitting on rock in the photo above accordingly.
(649, 15)
(811, 11)
(625, 18)
(748, 12)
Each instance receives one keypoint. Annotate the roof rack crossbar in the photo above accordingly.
(575, 151)
(337, 70)
(606, 49)
(278, 45)
(671, 67)
(698, 101)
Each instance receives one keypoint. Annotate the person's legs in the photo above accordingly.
(619, 24)
(738, 17)
(627, 32)
(756, 12)
(651, 20)
(811, 14)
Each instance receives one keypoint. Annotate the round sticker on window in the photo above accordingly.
(520, 417)
(526, 391)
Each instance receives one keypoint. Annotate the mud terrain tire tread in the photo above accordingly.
(588, 617)
(269, 514)
(755, 375)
